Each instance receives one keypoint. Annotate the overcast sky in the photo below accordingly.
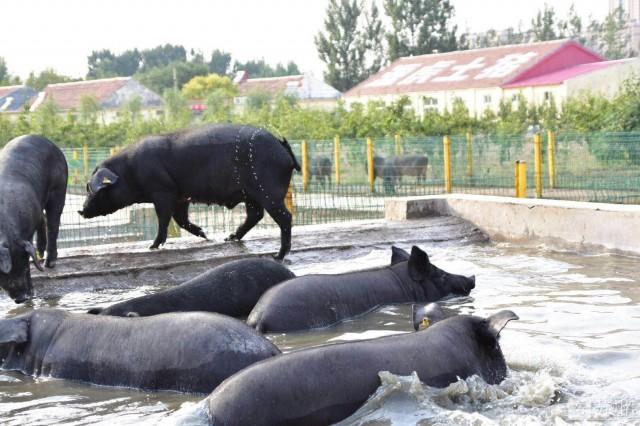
(36, 34)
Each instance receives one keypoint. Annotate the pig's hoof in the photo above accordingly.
(232, 237)
(154, 246)
(50, 263)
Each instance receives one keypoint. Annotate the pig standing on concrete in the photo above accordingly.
(320, 169)
(33, 179)
(222, 164)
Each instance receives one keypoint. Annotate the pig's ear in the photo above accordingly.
(398, 255)
(14, 330)
(31, 251)
(102, 178)
(496, 322)
(425, 316)
(5, 259)
(419, 265)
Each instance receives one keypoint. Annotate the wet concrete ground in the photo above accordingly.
(133, 264)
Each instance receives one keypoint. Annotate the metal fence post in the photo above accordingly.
(447, 164)
(85, 160)
(288, 199)
(469, 154)
(370, 169)
(521, 179)
(336, 157)
(551, 152)
(305, 166)
(537, 141)
(398, 140)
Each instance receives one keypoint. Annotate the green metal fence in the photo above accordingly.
(599, 167)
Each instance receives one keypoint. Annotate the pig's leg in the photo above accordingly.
(255, 213)
(41, 237)
(282, 217)
(53, 211)
(181, 216)
(164, 210)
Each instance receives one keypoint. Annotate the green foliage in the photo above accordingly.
(89, 109)
(202, 86)
(544, 25)
(419, 27)
(171, 76)
(351, 43)
(259, 68)
(7, 79)
(47, 76)
(219, 62)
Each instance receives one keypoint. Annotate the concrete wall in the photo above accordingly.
(559, 223)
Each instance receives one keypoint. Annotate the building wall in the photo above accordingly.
(605, 82)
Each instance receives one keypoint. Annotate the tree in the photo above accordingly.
(259, 68)
(615, 39)
(176, 108)
(351, 44)
(220, 62)
(162, 56)
(47, 76)
(420, 27)
(162, 78)
(544, 25)
(201, 86)
(6, 78)
(89, 109)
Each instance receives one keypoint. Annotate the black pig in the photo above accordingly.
(33, 179)
(222, 164)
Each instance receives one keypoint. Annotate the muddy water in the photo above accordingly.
(574, 356)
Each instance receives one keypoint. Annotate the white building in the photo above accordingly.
(111, 94)
(482, 78)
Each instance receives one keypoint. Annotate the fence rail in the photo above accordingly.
(348, 179)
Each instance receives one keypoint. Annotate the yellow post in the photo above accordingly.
(515, 180)
(288, 200)
(85, 160)
(469, 154)
(398, 145)
(447, 164)
(173, 231)
(112, 151)
(76, 156)
(305, 166)
(521, 179)
(336, 157)
(551, 152)
(370, 174)
(537, 142)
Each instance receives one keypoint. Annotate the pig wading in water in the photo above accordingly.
(323, 385)
(186, 352)
(220, 164)
(314, 301)
(33, 180)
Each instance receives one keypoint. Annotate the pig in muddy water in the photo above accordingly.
(33, 184)
(221, 164)
(232, 288)
(314, 301)
(323, 385)
(186, 352)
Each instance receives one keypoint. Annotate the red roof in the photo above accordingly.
(69, 95)
(558, 77)
(271, 85)
(477, 68)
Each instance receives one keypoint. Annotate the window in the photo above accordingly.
(547, 96)
(487, 99)
(428, 100)
(514, 98)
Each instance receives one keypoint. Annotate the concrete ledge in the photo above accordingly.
(566, 223)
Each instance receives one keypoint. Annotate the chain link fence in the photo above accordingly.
(349, 179)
